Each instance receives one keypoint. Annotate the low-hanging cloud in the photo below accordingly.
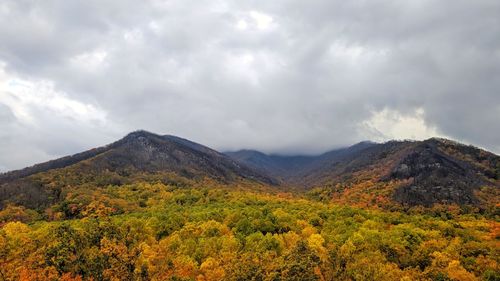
(279, 76)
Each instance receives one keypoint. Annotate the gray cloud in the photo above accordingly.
(279, 76)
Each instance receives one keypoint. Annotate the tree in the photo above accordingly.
(302, 264)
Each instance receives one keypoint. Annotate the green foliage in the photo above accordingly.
(153, 231)
(301, 264)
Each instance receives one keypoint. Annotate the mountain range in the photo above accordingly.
(405, 173)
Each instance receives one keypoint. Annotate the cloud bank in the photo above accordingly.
(278, 76)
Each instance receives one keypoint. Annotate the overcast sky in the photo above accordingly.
(279, 76)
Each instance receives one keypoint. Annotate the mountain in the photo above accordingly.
(152, 207)
(299, 169)
(139, 154)
(279, 166)
(403, 173)
(407, 172)
(443, 171)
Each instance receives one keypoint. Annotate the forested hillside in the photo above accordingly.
(152, 207)
(140, 155)
(396, 173)
(145, 231)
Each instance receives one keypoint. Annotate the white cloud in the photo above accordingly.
(392, 124)
(242, 66)
(242, 24)
(90, 61)
(27, 98)
(133, 35)
(262, 20)
(355, 54)
(154, 26)
(39, 123)
(281, 76)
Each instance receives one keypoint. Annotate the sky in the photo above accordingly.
(287, 77)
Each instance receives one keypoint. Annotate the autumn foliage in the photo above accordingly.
(157, 231)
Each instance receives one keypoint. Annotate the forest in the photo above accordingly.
(289, 140)
(160, 230)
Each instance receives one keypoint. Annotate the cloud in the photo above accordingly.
(389, 124)
(279, 76)
(38, 123)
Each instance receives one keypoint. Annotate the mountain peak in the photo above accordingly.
(140, 134)
(432, 171)
(139, 154)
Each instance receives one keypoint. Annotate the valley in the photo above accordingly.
(152, 207)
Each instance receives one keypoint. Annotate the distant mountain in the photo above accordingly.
(291, 168)
(276, 165)
(136, 154)
(396, 172)
(408, 172)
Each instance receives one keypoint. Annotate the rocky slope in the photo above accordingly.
(139, 153)
(441, 171)
(409, 172)
(401, 172)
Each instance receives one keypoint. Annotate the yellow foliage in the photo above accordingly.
(457, 272)
(211, 271)
(14, 229)
(315, 241)
(308, 231)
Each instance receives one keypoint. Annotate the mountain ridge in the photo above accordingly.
(93, 152)
(138, 153)
(431, 177)
(406, 172)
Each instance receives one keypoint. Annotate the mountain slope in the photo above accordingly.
(406, 172)
(397, 172)
(291, 168)
(279, 166)
(442, 171)
(416, 173)
(138, 154)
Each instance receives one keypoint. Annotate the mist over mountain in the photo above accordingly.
(290, 167)
(431, 171)
(282, 140)
(148, 198)
(406, 172)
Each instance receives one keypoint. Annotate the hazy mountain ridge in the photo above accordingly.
(419, 172)
(406, 172)
(291, 166)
